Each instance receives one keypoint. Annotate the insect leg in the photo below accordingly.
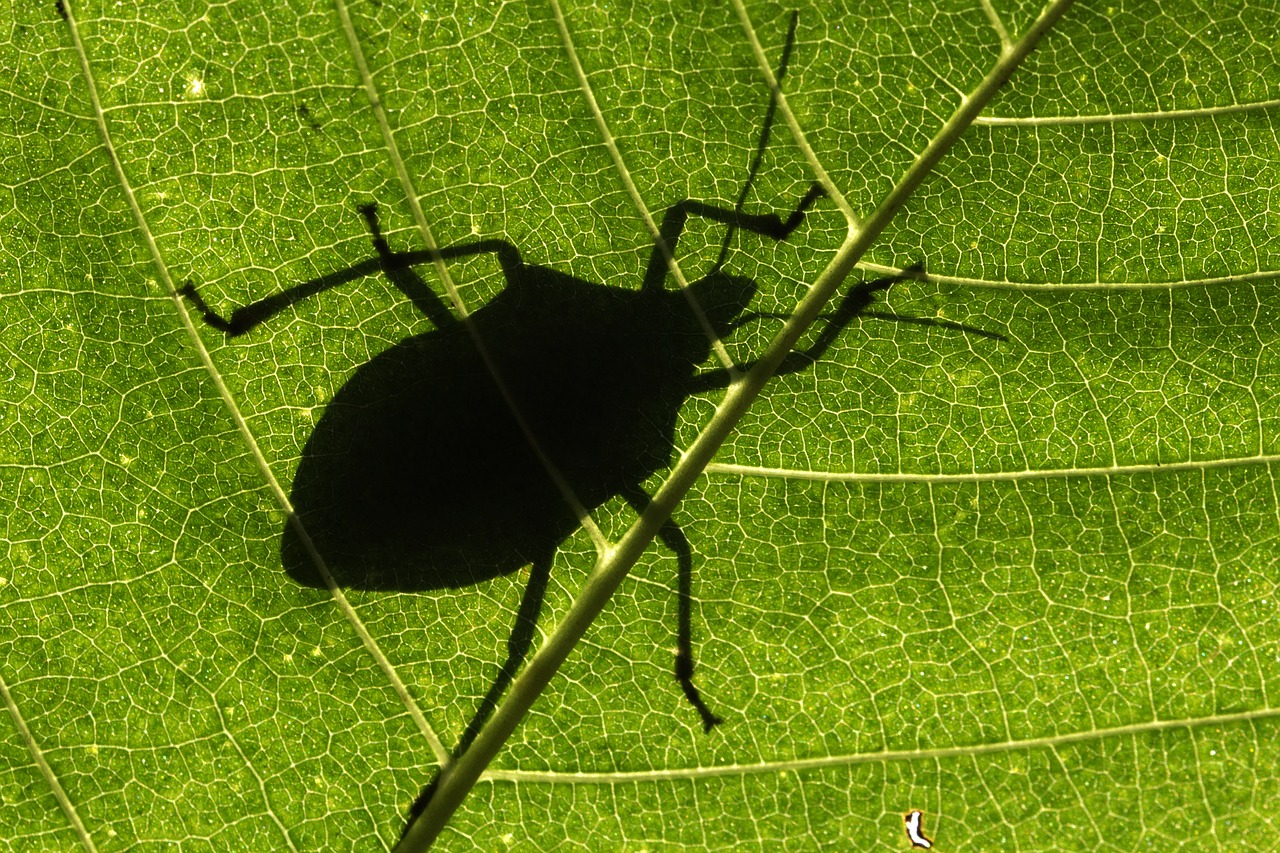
(248, 317)
(518, 644)
(766, 224)
(396, 266)
(770, 225)
(673, 537)
(856, 301)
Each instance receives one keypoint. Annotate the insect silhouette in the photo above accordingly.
(421, 475)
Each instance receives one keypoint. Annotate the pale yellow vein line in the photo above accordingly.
(362, 631)
(996, 24)
(1067, 286)
(158, 260)
(1157, 115)
(793, 124)
(598, 538)
(262, 785)
(225, 393)
(624, 174)
(37, 756)
(800, 764)
(397, 160)
(993, 476)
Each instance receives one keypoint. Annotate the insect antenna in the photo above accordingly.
(765, 132)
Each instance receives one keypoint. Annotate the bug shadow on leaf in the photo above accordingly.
(427, 472)
(474, 450)
(439, 465)
(419, 476)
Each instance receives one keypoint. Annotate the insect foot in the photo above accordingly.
(684, 675)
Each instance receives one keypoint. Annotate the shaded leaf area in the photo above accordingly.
(185, 690)
(1110, 202)
(1193, 57)
(1180, 201)
(1172, 199)
(951, 616)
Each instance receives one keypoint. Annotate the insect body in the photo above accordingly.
(420, 474)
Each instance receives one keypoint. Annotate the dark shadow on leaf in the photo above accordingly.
(425, 473)
(418, 476)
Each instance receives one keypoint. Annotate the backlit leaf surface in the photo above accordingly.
(1006, 555)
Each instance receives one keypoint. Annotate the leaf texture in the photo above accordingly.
(1006, 554)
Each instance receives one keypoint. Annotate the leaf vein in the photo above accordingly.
(803, 764)
(1065, 286)
(730, 468)
(1117, 118)
(37, 757)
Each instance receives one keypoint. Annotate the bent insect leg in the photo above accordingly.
(673, 537)
(519, 641)
(397, 266)
(766, 224)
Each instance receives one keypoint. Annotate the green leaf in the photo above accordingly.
(1005, 555)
